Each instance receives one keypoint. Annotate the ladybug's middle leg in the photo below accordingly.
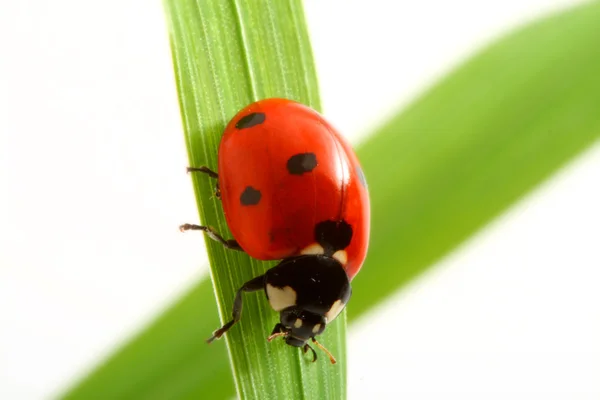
(230, 244)
(252, 285)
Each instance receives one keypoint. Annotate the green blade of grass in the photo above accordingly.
(461, 154)
(226, 55)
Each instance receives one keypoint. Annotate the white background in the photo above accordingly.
(92, 189)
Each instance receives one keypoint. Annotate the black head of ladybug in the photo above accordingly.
(309, 291)
(301, 325)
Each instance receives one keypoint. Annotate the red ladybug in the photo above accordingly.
(293, 189)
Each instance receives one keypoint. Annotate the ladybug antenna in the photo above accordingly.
(274, 335)
(319, 345)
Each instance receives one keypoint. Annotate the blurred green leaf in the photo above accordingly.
(461, 154)
(478, 141)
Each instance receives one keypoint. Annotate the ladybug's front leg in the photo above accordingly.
(314, 353)
(209, 172)
(253, 285)
(230, 244)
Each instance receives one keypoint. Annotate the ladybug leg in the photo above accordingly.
(230, 244)
(210, 173)
(253, 285)
(306, 348)
(204, 170)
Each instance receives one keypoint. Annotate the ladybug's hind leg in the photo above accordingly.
(253, 285)
(204, 170)
(230, 244)
(209, 172)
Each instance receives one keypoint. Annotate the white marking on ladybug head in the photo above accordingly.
(341, 256)
(281, 298)
(316, 328)
(314, 248)
(335, 309)
(298, 323)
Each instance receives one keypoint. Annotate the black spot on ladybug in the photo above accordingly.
(333, 235)
(250, 196)
(250, 120)
(361, 175)
(301, 163)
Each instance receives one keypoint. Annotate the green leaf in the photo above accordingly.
(476, 143)
(465, 151)
(227, 54)
(169, 360)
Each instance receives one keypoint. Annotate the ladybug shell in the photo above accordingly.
(282, 170)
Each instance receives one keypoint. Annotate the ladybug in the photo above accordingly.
(292, 190)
